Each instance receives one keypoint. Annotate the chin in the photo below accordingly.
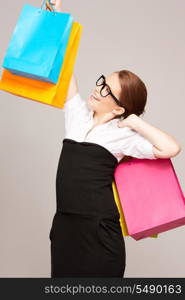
(90, 103)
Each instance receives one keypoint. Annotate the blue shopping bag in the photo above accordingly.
(38, 44)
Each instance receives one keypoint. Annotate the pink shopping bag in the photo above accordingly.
(150, 195)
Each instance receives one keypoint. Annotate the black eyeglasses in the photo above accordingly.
(105, 90)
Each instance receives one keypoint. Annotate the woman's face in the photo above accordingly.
(106, 104)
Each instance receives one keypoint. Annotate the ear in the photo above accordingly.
(118, 111)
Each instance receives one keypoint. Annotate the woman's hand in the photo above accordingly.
(56, 3)
(128, 122)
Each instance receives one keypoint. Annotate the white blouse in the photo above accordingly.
(119, 141)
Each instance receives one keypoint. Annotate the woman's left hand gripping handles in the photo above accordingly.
(49, 5)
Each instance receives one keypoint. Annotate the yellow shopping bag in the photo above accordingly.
(122, 218)
(45, 92)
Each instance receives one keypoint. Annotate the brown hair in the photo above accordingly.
(133, 95)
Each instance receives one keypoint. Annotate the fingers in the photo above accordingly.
(52, 5)
(48, 6)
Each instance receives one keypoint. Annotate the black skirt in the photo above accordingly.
(86, 237)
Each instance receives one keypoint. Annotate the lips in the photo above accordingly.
(93, 97)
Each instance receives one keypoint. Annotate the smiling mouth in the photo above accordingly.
(94, 97)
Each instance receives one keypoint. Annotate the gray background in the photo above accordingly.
(146, 37)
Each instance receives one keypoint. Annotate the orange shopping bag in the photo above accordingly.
(45, 92)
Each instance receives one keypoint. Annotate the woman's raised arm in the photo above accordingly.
(73, 87)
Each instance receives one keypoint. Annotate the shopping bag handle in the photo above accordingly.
(44, 2)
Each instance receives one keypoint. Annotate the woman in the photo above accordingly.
(86, 237)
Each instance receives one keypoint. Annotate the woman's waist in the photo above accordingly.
(86, 186)
(95, 201)
(114, 215)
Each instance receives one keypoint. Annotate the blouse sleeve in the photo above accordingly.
(136, 145)
(74, 109)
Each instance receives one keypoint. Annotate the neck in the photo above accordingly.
(102, 118)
